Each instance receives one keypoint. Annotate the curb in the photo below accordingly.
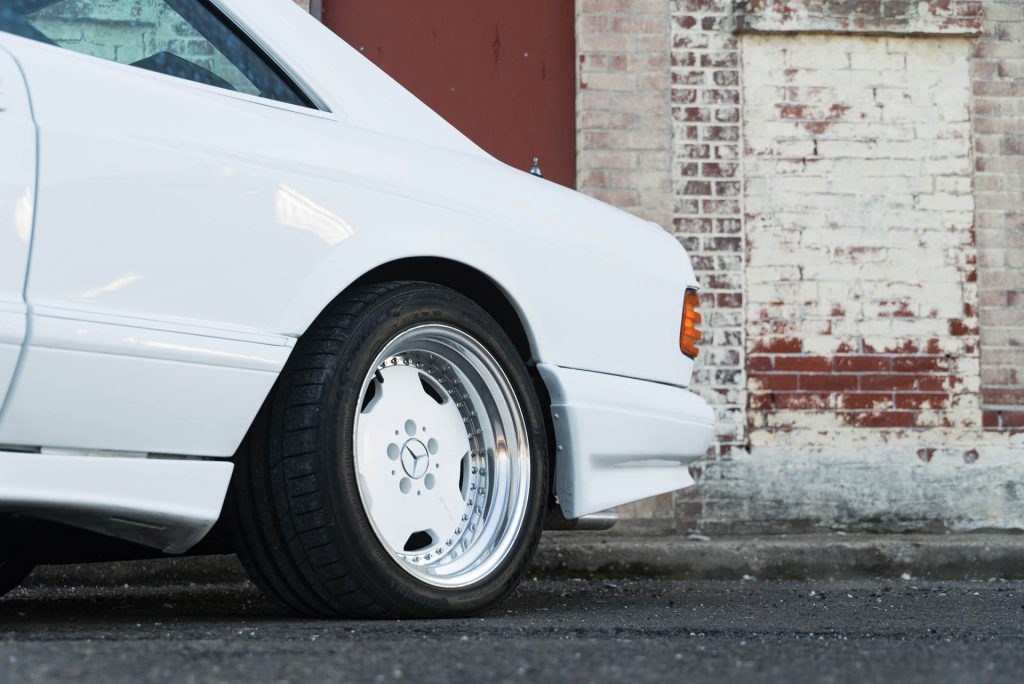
(811, 556)
(610, 555)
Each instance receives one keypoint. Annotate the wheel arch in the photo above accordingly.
(467, 281)
(488, 294)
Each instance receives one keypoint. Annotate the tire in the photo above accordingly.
(399, 467)
(14, 568)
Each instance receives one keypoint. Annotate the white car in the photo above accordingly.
(249, 284)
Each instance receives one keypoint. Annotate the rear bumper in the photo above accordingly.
(620, 439)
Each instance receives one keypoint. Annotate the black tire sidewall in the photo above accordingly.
(373, 567)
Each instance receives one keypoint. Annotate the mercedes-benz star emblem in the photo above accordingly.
(415, 458)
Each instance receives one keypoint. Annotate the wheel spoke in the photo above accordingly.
(394, 524)
(450, 437)
(436, 513)
(403, 382)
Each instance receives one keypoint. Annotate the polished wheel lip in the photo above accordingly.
(495, 471)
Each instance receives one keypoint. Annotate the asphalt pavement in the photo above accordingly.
(199, 620)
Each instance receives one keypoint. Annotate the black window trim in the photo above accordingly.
(250, 41)
(310, 102)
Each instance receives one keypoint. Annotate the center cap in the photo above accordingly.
(415, 458)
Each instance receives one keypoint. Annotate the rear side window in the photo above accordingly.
(188, 39)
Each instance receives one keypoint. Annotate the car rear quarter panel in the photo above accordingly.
(597, 289)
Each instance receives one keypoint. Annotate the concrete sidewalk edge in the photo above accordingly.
(612, 555)
(811, 556)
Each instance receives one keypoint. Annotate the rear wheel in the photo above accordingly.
(399, 468)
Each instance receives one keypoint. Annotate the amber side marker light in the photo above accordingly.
(690, 335)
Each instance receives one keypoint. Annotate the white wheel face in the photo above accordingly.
(442, 456)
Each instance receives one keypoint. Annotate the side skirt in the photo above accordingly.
(168, 504)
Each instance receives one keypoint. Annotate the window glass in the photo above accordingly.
(183, 38)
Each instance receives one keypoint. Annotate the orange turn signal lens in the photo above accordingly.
(690, 334)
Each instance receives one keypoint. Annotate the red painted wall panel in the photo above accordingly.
(502, 72)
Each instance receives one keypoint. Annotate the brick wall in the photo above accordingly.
(862, 299)
(998, 87)
(658, 134)
(707, 210)
(861, 295)
(861, 268)
(622, 105)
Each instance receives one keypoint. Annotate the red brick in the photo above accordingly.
(828, 383)
(779, 345)
(887, 382)
(803, 364)
(776, 382)
(861, 364)
(932, 383)
(697, 188)
(958, 328)
(1014, 419)
(729, 300)
(717, 170)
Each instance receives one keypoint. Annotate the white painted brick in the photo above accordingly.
(879, 230)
